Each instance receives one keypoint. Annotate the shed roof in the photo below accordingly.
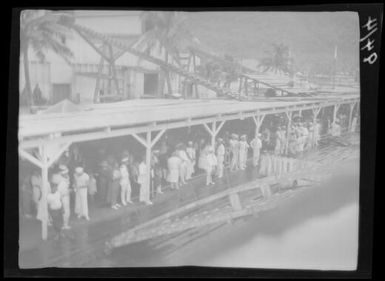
(142, 111)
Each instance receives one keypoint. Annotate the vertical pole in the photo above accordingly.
(289, 114)
(240, 85)
(315, 114)
(246, 90)
(169, 87)
(334, 113)
(213, 134)
(113, 68)
(44, 193)
(100, 72)
(351, 106)
(148, 160)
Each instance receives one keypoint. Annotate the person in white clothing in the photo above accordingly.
(144, 193)
(81, 181)
(181, 151)
(211, 164)
(173, 164)
(234, 147)
(243, 149)
(220, 157)
(256, 145)
(278, 141)
(191, 153)
(63, 185)
(55, 209)
(125, 185)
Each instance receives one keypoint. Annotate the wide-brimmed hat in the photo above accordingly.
(79, 170)
(63, 169)
(124, 159)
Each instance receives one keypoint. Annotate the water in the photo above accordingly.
(317, 229)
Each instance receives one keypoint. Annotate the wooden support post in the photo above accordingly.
(213, 135)
(246, 90)
(194, 63)
(258, 122)
(289, 116)
(255, 87)
(113, 68)
(235, 202)
(240, 85)
(219, 127)
(351, 107)
(212, 131)
(44, 192)
(196, 90)
(148, 161)
(335, 111)
(315, 114)
(100, 72)
(169, 87)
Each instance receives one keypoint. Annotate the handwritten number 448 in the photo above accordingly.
(371, 27)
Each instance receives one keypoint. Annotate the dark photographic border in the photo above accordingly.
(370, 88)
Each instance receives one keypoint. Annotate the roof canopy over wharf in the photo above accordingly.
(99, 121)
(44, 137)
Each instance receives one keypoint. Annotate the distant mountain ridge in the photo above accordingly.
(311, 37)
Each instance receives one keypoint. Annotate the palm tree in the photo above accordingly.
(42, 31)
(165, 30)
(278, 59)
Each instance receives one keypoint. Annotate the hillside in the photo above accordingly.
(311, 36)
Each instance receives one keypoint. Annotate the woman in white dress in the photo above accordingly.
(173, 164)
(210, 164)
(81, 186)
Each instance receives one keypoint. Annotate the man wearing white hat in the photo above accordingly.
(81, 180)
(243, 148)
(125, 186)
(220, 157)
(256, 145)
(63, 185)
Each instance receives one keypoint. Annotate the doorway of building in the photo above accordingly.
(151, 81)
(61, 92)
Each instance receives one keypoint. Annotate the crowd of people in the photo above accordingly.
(76, 184)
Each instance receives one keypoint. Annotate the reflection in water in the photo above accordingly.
(316, 229)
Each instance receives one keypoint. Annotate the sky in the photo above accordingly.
(311, 36)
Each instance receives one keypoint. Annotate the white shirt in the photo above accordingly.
(256, 143)
(142, 172)
(124, 173)
(54, 200)
(81, 180)
(63, 187)
(191, 153)
(221, 150)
